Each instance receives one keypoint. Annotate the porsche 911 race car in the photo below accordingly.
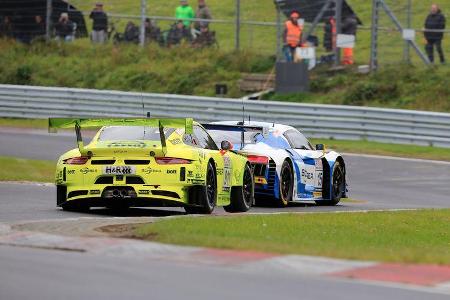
(285, 164)
(151, 162)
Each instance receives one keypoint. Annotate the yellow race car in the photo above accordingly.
(151, 162)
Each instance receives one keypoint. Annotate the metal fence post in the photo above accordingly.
(48, 20)
(338, 17)
(374, 37)
(143, 16)
(406, 54)
(238, 25)
(279, 45)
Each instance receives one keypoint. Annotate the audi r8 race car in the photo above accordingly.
(151, 162)
(285, 164)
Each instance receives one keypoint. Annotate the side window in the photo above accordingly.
(204, 140)
(297, 140)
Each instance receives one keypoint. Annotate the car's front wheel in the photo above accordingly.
(286, 184)
(242, 197)
(338, 187)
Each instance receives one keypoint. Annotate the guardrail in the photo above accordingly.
(321, 121)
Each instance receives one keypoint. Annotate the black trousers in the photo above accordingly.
(429, 47)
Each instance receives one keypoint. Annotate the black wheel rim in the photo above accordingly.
(286, 180)
(248, 186)
(338, 181)
(211, 187)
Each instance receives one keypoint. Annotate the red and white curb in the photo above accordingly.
(433, 278)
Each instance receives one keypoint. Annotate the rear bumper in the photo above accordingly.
(134, 195)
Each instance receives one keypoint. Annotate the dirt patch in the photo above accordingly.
(124, 231)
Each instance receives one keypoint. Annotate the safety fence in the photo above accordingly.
(321, 121)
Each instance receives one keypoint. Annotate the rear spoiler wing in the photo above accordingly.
(238, 128)
(59, 123)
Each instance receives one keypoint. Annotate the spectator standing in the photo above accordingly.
(99, 24)
(292, 35)
(184, 12)
(434, 21)
(202, 12)
(329, 34)
(6, 28)
(65, 28)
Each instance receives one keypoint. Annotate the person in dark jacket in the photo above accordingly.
(434, 21)
(65, 28)
(131, 34)
(152, 31)
(178, 33)
(39, 27)
(99, 24)
(6, 28)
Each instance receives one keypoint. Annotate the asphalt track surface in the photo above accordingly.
(35, 273)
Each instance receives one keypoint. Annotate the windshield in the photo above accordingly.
(132, 133)
(233, 136)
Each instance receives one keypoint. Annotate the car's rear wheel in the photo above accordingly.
(242, 197)
(338, 187)
(75, 206)
(207, 195)
(286, 184)
(61, 200)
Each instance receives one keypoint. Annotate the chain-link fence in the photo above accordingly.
(411, 14)
(256, 29)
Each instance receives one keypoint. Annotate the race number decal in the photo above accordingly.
(319, 174)
(226, 173)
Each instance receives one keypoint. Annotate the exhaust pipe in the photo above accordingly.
(116, 193)
(124, 193)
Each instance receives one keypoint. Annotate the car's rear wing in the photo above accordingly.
(58, 123)
(238, 128)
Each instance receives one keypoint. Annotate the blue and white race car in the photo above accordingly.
(286, 166)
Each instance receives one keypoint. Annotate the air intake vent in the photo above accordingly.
(77, 193)
(105, 180)
(103, 162)
(136, 162)
(166, 194)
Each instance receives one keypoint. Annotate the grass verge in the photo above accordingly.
(407, 236)
(18, 169)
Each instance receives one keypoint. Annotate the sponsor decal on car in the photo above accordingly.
(85, 171)
(119, 170)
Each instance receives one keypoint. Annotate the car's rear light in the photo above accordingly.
(172, 161)
(81, 160)
(256, 159)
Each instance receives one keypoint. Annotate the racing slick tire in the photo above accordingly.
(286, 184)
(207, 195)
(242, 197)
(338, 188)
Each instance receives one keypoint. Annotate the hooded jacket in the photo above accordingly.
(435, 22)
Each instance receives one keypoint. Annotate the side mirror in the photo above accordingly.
(320, 147)
(226, 145)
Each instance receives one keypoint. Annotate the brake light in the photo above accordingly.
(81, 160)
(256, 159)
(171, 161)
